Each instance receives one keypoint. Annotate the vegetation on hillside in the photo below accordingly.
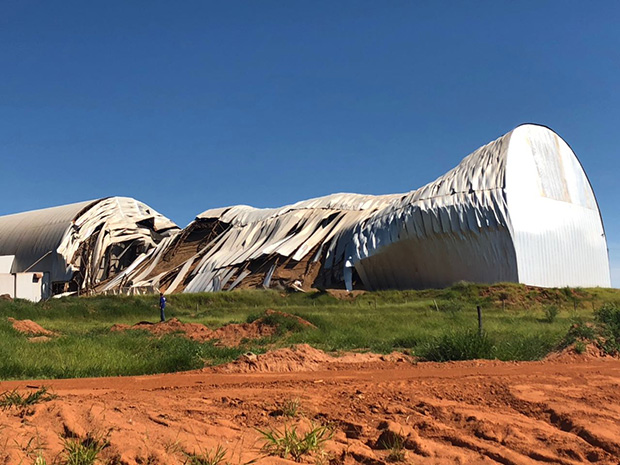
(519, 323)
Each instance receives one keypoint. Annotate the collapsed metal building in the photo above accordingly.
(75, 247)
(518, 209)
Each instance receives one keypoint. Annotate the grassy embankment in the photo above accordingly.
(520, 324)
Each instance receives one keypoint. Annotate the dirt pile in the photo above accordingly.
(579, 351)
(278, 314)
(230, 335)
(343, 294)
(303, 358)
(30, 328)
(195, 331)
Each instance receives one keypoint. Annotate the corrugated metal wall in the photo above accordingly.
(556, 225)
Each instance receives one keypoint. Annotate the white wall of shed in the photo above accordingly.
(557, 228)
(7, 284)
(6, 263)
(30, 288)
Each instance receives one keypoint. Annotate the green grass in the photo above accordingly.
(83, 452)
(396, 448)
(433, 324)
(289, 442)
(209, 457)
(458, 345)
(604, 331)
(10, 399)
(291, 408)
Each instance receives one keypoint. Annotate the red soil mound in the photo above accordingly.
(230, 335)
(30, 327)
(296, 318)
(589, 351)
(343, 294)
(304, 358)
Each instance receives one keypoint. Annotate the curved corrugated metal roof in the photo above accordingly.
(84, 236)
(456, 227)
(31, 235)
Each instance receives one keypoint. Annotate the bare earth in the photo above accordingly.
(564, 410)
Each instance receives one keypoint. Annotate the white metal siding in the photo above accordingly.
(557, 228)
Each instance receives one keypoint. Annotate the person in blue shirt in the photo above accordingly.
(162, 307)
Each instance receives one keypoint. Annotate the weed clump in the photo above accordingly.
(212, 457)
(291, 443)
(459, 345)
(604, 332)
(83, 452)
(396, 447)
(10, 399)
(551, 313)
(451, 306)
(290, 408)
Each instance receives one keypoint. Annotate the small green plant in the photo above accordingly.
(609, 315)
(290, 443)
(9, 399)
(39, 460)
(290, 408)
(83, 452)
(173, 447)
(551, 313)
(580, 347)
(396, 446)
(211, 457)
(33, 449)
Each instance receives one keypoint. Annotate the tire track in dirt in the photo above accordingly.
(566, 423)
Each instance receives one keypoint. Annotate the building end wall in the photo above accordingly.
(556, 225)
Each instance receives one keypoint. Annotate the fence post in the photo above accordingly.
(479, 320)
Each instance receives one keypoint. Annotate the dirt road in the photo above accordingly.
(561, 411)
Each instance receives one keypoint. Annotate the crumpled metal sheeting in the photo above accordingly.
(281, 233)
(456, 227)
(111, 221)
(121, 278)
(180, 276)
(472, 194)
(351, 227)
(54, 239)
(155, 260)
(243, 215)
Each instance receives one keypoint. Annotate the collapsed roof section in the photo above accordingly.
(84, 243)
(241, 245)
(459, 227)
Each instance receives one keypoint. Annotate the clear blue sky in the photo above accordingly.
(193, 105)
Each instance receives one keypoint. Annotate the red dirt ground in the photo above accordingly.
(556, 411)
